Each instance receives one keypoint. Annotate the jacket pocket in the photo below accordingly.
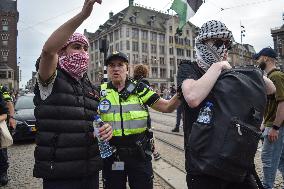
(240, 144)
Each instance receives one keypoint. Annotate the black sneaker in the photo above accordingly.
(4, 179)
(175, 129)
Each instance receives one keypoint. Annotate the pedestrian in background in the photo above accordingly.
(141, 73)
(67, 154)
(272, 155)
(4, 164)
(178, 118)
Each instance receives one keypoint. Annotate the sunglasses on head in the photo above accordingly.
(219, 42)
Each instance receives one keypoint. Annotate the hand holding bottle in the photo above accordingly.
(105, 132)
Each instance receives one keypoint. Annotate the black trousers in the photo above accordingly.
(3, 160)
(91, 182)
(210, 182)
(139, 173)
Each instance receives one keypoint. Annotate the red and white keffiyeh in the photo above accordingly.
(76, 64)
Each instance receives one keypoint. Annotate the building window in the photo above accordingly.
(135, 59)
(153, 60)
(144, 35)
(187, 32)
(5, 58)
(135, 33)
(162, 60)
(144, 47)
(171, 50)
(92, 46)
(162, 49)
(5, 36)
(96, 44)
(111, 37)
(153, 36)
(162, 38)
(172, 61)
(154, 72)
(171, 73)
(92, 57)
(163, 73)
(117, 46)
(10, 75)
(127, 32)
(171, 28)
(135, 46)
(180, 52)
(127, 45)
(171, 40)
(121, 32)
(3, 75)
(4, 22)
(188, 53)
(144, 59)
(5, 53)
(116, 35)
(121, 47)
(153, 48)
(110, 48)
(5, 28)
(4, 43)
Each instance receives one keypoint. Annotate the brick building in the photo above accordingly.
(9, 16)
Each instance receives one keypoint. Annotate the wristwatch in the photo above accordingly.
(275, 127)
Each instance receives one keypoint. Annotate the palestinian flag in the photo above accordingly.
(185, 9)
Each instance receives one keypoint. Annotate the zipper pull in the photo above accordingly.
(239, 129)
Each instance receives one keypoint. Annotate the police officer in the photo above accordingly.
(12, 123)
(123, 105)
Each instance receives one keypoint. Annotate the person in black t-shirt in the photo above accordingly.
(197, 80)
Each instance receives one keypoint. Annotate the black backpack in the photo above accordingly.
(225, 136)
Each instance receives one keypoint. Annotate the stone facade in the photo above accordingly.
(147, 36)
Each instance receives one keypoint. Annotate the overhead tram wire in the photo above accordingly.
(245, 4)
(51, 18)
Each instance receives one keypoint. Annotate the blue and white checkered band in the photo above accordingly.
(103, 93)
(104, 106)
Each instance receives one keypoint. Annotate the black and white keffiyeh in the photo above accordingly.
(206, 52)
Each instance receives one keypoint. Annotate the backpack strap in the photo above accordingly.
(256, 177)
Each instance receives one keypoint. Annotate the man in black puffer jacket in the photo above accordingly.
(67, 153)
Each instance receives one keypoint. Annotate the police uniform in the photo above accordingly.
(128, 118)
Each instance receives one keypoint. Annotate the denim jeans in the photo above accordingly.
(179, 112)
(272, 157)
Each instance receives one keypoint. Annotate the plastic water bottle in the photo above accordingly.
(105, 148)
(205, 115)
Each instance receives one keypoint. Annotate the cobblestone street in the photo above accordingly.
(21, 158)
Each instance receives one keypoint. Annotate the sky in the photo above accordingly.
(39, 18)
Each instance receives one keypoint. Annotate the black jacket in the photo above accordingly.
(66, 147)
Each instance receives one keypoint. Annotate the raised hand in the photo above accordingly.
(88, 7)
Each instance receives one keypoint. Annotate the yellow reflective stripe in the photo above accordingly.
(126, 108)
(132, 115)
(145, 97)
(129, 131)
(131, 124)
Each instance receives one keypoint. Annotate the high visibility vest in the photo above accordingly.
(5, 93)
(126, 116)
